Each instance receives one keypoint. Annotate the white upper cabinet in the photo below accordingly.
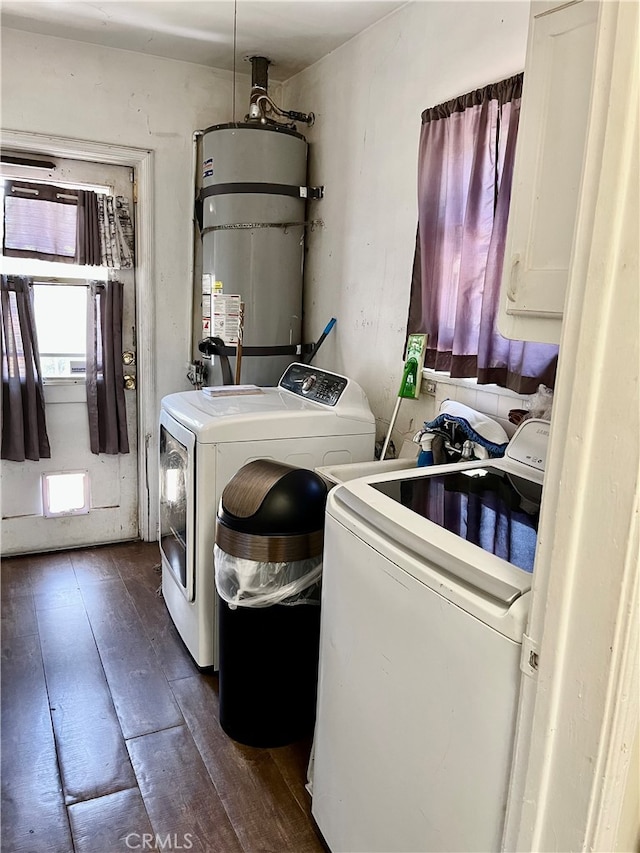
(548, 168)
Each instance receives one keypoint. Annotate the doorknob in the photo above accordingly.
(128, 357)
(129, 382)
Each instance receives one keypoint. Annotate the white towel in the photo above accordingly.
(481, 423)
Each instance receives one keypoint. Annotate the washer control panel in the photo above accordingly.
(530, 443)
(313, 384)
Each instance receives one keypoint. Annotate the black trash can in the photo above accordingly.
(268, 565)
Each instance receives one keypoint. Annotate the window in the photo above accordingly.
(61, 323)
(60, 288)
(465, 168)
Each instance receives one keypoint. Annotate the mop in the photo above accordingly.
(411, 379)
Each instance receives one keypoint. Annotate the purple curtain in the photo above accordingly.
(465, 171)
(24, 429)
(51, 223)
(105, 388)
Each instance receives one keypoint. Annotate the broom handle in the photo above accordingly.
(392, 423)
(239, 346)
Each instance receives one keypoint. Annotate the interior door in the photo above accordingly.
(111, 513)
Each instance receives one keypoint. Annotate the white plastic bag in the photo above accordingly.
(541, 403)
(248, 583)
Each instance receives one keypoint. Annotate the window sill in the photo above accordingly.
(429, 375)
(65, 391)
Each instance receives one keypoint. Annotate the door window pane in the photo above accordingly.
(61, 324)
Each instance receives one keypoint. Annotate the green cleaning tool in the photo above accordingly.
(411, 379)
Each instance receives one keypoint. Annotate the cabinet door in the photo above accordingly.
(548, 169)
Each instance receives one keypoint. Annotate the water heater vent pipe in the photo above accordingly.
(261, 105)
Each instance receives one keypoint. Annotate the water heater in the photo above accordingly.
(253, 195)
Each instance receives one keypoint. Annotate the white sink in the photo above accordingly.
(335, 474)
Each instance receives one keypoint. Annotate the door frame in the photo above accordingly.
(141, 161)
(576, 770)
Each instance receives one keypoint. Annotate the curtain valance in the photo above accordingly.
(503, 91)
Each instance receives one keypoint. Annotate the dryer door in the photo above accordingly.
(177, 463)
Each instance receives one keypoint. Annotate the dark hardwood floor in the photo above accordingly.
(110, 733)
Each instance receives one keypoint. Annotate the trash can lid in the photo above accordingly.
(268, 498)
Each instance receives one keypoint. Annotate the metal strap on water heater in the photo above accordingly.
(216, 346)
(262, 188)
(314, 223)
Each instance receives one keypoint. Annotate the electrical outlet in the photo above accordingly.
(429, 386)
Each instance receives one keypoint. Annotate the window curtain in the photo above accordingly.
(24, 429)
(87, 229)
(465, 172)
(105, 387)
(116, 232)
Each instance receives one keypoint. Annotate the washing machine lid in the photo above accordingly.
(467, 530)
(265, 413)
(450, 515)
(495, 510)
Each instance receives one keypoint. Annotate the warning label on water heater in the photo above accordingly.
(225, 316)
(207, 168)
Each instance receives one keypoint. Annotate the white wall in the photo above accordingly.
(368, 97)
(69, 89)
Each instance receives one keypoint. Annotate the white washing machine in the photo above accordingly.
(425, 597)
(311, 418)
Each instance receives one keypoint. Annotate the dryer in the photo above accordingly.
(311, 418)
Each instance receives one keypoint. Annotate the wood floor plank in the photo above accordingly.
(175, 660)
(18, 616)
(14, 576)
(34, 819)
(53, 580)
(115, 823)
(141, 694)
(179, 796)
(92, 565)
(293, 762)
(258, 800)
(142, 582)
(60, 597)
(92, 754)
(139, 565)
(138, 558)
(49, 573)
(139, 561)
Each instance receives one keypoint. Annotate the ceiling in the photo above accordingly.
(293, 34)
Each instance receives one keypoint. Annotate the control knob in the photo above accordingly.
(308, 382)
